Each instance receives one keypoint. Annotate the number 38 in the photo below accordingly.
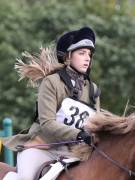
(75, 112)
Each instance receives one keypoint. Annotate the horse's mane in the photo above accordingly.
(114, 124)
(105, 122)
(34, 67)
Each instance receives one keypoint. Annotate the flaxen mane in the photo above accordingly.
(36, 67)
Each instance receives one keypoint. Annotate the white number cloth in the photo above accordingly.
(74, 113)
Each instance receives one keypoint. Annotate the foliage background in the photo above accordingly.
(28, 24)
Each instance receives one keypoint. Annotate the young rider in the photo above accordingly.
(65, 99)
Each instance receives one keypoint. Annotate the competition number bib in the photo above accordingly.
(74, 113)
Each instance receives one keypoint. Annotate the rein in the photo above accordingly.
(115, 162)
(98, 150)
(43, 146)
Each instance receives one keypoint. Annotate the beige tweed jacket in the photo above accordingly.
(51, 93)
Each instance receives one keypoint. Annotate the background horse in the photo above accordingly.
(119, 147)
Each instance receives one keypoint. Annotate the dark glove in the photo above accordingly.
(85, 136)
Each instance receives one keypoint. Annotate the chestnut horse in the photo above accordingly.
(119, 147)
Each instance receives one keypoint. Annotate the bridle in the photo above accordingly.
(106, 156)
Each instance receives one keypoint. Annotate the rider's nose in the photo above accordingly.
(88, 58)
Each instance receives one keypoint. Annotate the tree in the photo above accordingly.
(28, 24)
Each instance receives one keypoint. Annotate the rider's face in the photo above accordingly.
(80, 59)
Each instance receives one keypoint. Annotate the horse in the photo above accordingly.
(112, 158)
(118, 162)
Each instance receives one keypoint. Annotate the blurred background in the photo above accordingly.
(30, 24)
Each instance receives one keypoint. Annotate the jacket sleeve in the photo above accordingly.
(47, 107)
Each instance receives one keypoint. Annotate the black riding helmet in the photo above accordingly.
(73, 40)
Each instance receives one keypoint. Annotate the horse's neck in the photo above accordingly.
(120, 148)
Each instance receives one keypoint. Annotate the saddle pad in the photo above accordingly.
(57, 168)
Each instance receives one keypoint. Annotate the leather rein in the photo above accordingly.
(97, 149)
(106, 156)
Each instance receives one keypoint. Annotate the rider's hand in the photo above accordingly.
(85, 136)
